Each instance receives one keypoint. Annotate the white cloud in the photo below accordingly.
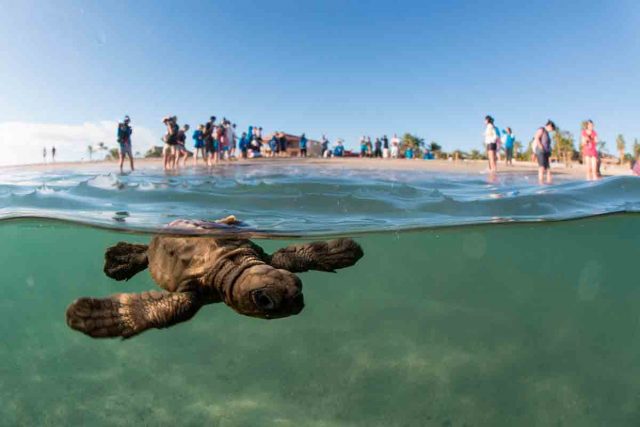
(23, 142)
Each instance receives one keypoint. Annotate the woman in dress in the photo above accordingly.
(589, 143)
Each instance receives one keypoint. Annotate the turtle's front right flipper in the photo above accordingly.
(125, 260)
(321, 256)
(126, 315)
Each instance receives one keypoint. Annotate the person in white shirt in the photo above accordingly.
(491, 142)
(395, 146)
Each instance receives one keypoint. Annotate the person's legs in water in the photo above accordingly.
(121, 157)
(130, 159)
(592, 167)
(491, 155)
(543, 166)
(166, 156)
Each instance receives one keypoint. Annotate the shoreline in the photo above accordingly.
(576, 170)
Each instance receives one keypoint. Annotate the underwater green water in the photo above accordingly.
(482, 326)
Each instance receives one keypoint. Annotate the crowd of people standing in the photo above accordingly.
(217, 141)
(380, 148)
(541, 147)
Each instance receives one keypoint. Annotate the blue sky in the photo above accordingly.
(343, 68)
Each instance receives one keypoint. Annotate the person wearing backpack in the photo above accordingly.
(542, 142)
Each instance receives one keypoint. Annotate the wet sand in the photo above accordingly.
(575, 170)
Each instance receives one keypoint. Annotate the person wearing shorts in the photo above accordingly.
(170, 141)
(181, 148)
(491, 142)
(542, 142)
(124, 140)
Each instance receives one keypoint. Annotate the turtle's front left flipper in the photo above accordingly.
(322, 256)
(125, 260)
(126, 315)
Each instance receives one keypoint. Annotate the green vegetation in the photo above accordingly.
(153, 152)
(411, 141)
(113, 154)
(564, 147)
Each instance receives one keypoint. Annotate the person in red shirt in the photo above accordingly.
(589, 143)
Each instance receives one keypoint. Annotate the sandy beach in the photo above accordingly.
(576, 170)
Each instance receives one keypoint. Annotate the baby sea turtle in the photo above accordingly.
(196, 271)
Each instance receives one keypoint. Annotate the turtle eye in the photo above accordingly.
(263, 300)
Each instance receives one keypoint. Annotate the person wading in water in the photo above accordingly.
(542, 142)
(124, 140)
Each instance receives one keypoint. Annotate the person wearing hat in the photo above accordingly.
(124, 140)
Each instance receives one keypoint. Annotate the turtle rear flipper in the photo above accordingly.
(127, 315)
(125, 260)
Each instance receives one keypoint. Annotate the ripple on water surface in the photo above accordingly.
(307, 199)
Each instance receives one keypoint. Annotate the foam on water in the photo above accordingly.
(283, 199)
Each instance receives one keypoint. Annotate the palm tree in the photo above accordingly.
(517, 147)
(412, 141)
(90, 151)
(113, 154)
(620, 145)
(564, 146)
(636, 148)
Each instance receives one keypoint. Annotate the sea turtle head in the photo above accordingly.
(266, 292)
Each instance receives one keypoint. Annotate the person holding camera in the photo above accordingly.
(124, 140)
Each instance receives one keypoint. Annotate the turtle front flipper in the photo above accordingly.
(322, 256)
(126, 315)
(125, 260)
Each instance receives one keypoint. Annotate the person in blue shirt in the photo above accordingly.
(124, 139)
(198, 144)
(243, 145)
(363, 146)
(509, 140)
(274, 145)
(303, 146)
(338, 151)
(408, 153)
